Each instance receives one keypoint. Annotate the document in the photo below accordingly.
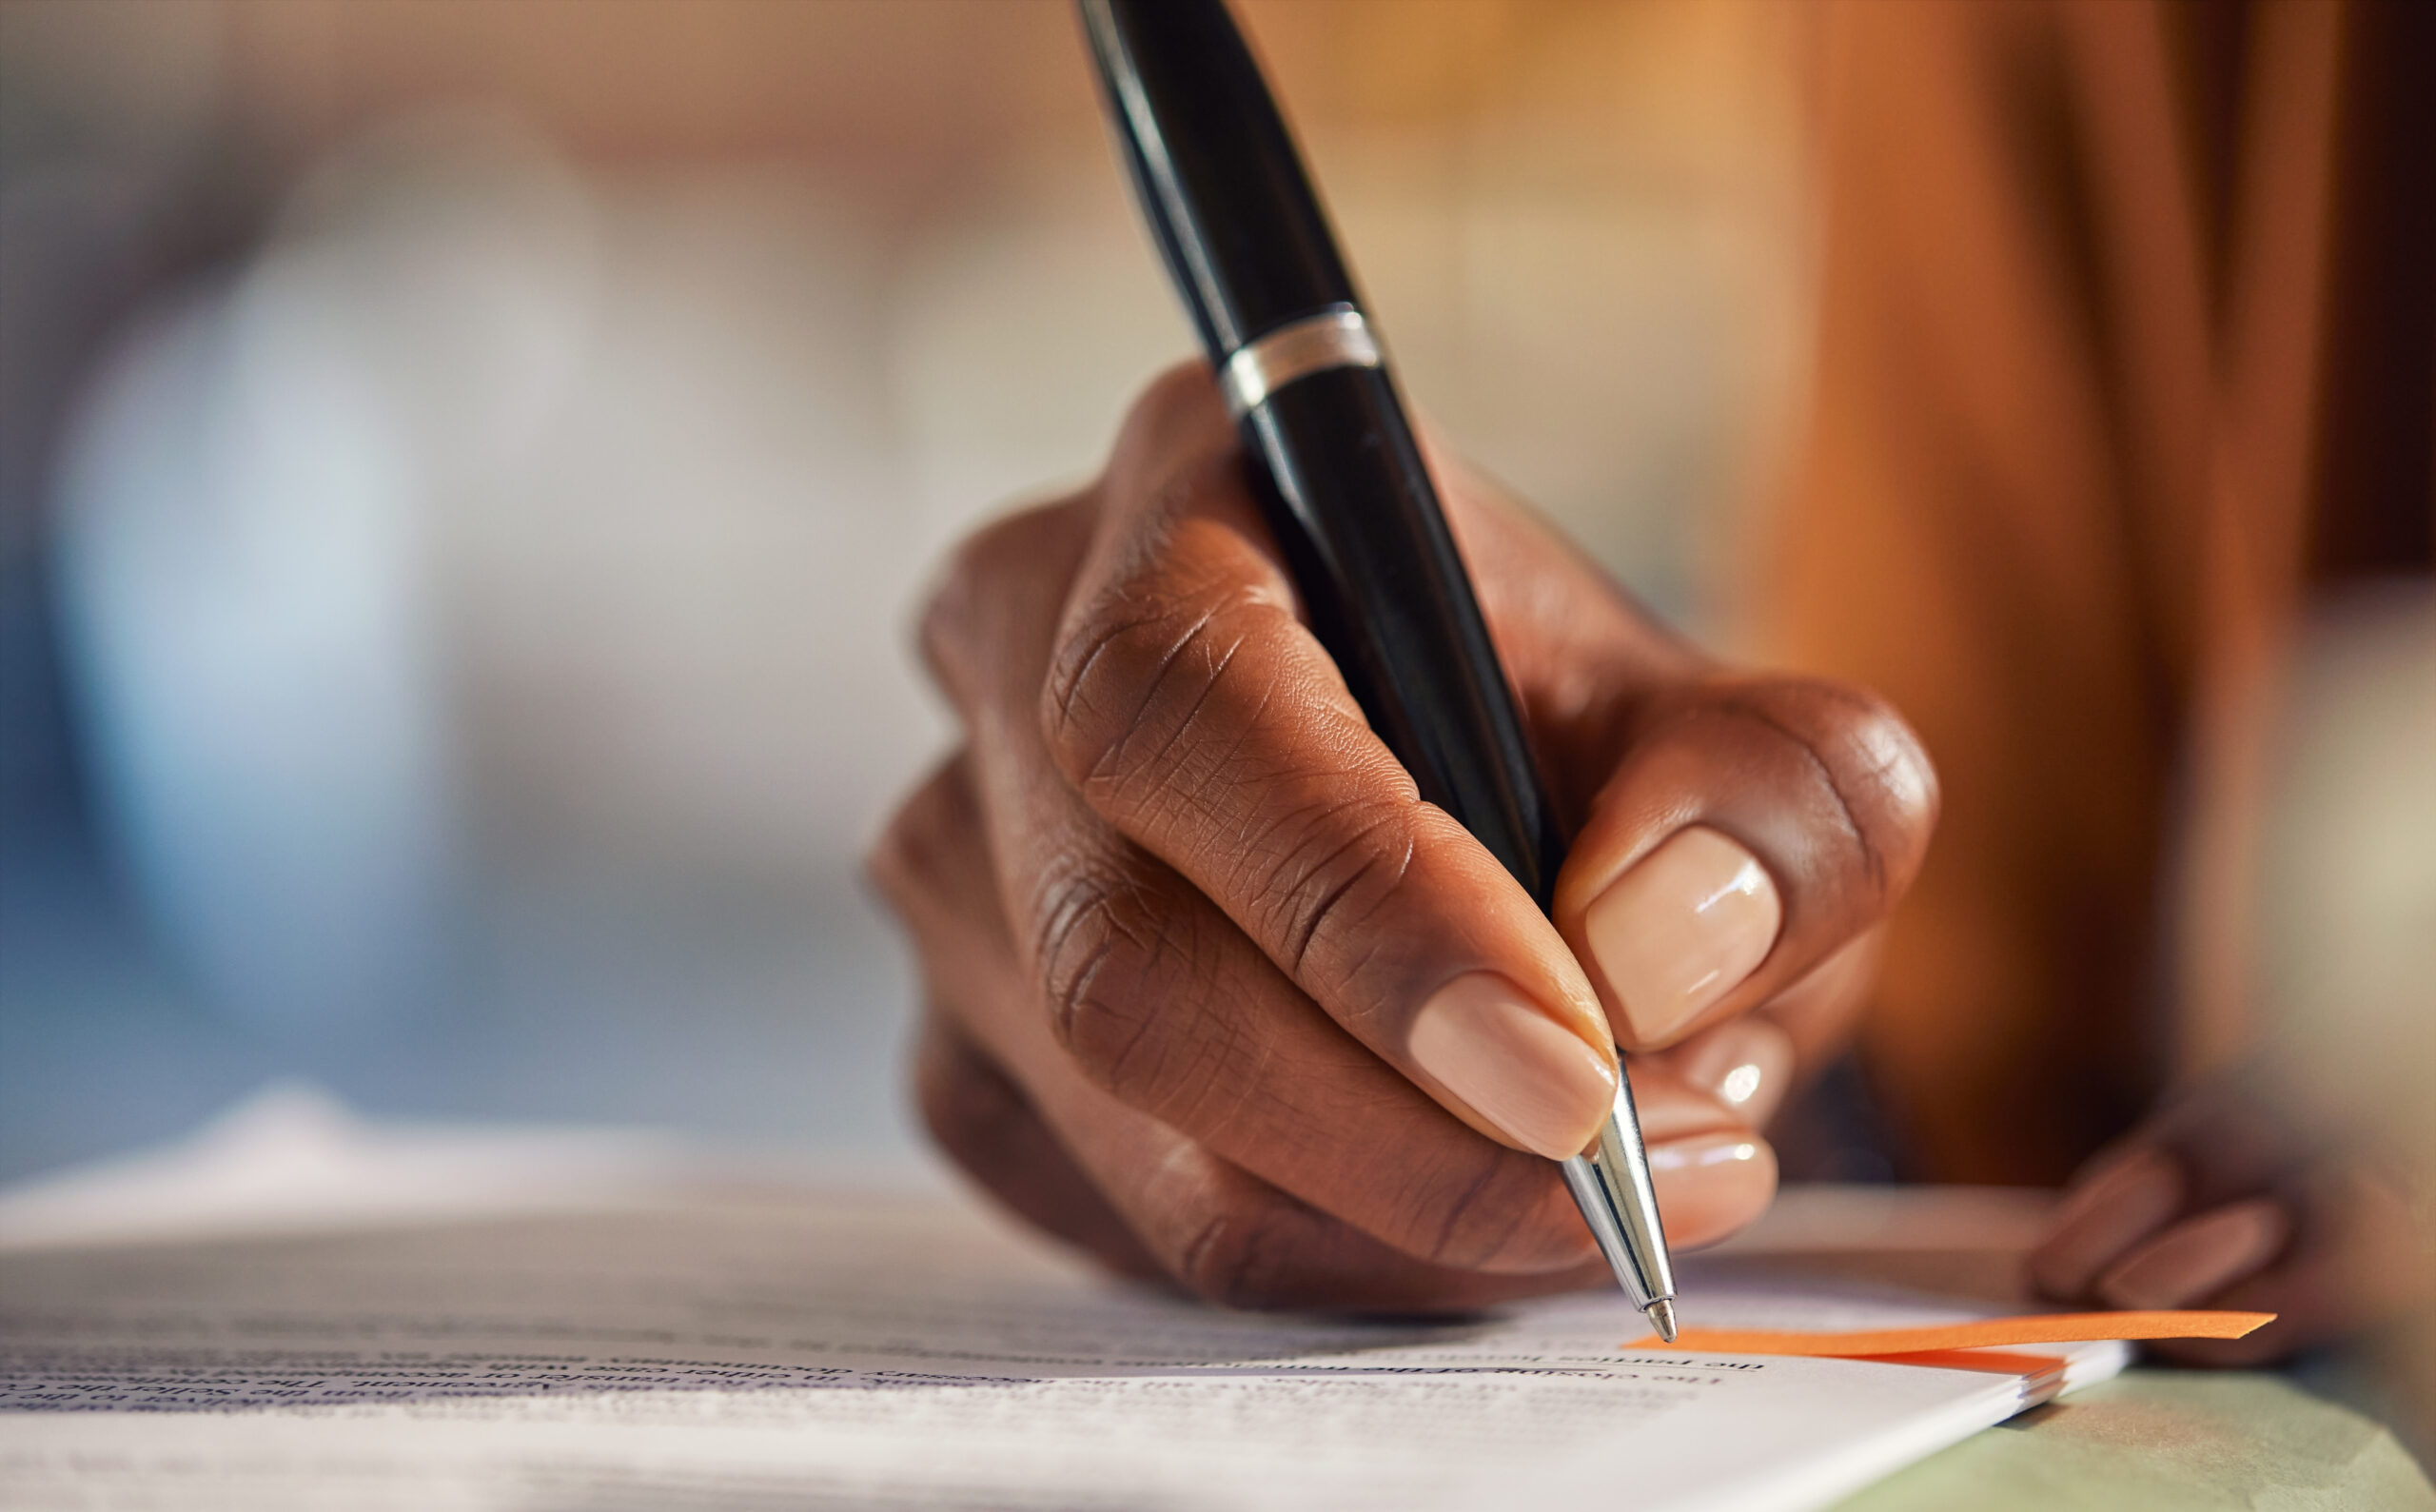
(745, 1347)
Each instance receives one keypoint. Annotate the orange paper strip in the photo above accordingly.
(2049, 1328)
(1997, 1362)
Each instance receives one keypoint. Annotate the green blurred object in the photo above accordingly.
(2169, 1440)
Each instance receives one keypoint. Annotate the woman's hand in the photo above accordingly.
(1214, 995)
(2221, 1200)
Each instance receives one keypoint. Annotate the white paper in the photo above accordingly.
(774, 1349)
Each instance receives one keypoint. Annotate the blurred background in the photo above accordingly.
(466, 471)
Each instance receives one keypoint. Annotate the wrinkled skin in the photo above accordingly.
(1175, 905)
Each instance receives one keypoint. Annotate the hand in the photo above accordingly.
(2222, 1202)
(1212, 994)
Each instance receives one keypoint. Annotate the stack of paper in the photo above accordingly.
(685, 1344)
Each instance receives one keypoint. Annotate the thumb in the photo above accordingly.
(1752, 829)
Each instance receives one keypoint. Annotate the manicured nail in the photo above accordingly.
(2115, 1209)
(1682, 929)
(1745, 1064)
(2194, 1261)
(1544, 1086)
(1710, 1185)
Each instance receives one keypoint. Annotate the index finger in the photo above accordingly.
(1197, 713)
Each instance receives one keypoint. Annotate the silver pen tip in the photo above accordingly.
(1661, 1317)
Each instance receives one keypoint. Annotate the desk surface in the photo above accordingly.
(2169, 1440)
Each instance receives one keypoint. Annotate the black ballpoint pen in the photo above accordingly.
(1342, 481)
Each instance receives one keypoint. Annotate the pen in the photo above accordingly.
(1340, 478)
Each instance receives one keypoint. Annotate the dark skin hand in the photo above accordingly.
(2219, 1201)
(1213, 996)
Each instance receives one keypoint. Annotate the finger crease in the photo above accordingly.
(1114, 755)
(1209, 690)
(1871, 860)
(1069, 690)
(1323, 909)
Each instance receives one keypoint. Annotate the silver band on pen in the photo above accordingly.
(1334, 338)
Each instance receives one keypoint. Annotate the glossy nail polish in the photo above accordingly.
(1682, 929)
(1744, 1065)
(1544, 1086)
(1711, 1185)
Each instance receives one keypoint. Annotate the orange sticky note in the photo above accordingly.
(2045, 1327)
(1996, 1362)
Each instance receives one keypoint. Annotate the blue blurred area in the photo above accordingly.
(294, 790)
(465, 475)
(718, 1014)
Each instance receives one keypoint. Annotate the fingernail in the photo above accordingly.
(2195, 1259)
(1682, 929)
(1744, 1065)
(1710, 1185)
(1544, 1086)
(2115, 1209)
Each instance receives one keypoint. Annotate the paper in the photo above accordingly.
(2052, 1327)
(768, 1348)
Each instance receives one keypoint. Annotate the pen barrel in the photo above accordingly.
(1214, 168)
(1335, 464)
(1333, 461)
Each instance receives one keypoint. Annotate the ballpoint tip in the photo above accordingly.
(1661, 1317)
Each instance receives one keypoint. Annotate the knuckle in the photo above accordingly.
(1871, 765)
(1177, 416)
(902, 860)
(888, 862)
(957, 618)
(1242, 1255)
(949, 615)
(1107, 958)
(1328, 870)
(918, 845)
(1874, 751)
(1148, 660)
